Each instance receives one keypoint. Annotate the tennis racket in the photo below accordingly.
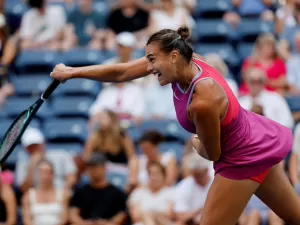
(17, 128)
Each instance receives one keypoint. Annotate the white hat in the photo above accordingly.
(126, 39)
(195, 162)
(32, 136)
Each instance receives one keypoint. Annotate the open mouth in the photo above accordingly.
(157, 74)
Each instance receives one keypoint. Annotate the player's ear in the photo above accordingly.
(174, 56)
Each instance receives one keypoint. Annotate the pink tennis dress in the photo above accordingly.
(250, 144)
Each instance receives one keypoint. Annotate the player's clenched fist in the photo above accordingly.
(62, 72)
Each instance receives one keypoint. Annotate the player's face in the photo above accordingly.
(160, 64)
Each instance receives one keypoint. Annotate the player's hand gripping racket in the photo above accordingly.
(17, 128)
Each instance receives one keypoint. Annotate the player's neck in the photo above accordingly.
(186, 77)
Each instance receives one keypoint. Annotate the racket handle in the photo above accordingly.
(50, 89)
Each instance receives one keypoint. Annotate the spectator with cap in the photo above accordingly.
(192, 191)
(35, 150)
(98, 202)
(8, 204)
(86, 28)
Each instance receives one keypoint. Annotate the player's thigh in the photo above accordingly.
(277, 192)
(226, 200)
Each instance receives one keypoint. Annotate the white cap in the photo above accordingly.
(196, 161)
(126, 39)
(32, 136)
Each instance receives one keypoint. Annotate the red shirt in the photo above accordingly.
(273, 72)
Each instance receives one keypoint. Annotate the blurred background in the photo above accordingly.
(114, 154)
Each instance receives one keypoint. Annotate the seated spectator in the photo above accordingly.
(42, 25)
(192, 191)
(285, 16)
(258, 213)
(8, 205)
(128, 16)
(98, 202)
(112, 141)
(86, 28)
(294, 165)
(169, 16)
(274, 105)
(264, 56)
(148, 144)
(217, 62)
(45, 204)
(152, 203)
(34, 143)
(125, 99)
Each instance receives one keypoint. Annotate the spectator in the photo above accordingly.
(129, 17)
(34, 143)
(125, 99)
(45, 204)
(264, 56)
(98, 202)
(258, 213)
(192, 191)
(294, 165)
(111, 140)
(152, 204)
(285, 16)
(8, 205)
(41, 26)
(86, 27)
(217, 62)
(148, 143)
(169, 16)
(274, 105)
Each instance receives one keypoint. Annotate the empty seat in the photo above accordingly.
(244, 50)
(72, 148)
(249, 29)
(79, 87)
(176, 147)
(72, 106)
(36, 61)
(212, 9)
(212, 31)
(31, 84)
(65, 130)
(82, 57)
(294, 103)
(14, 106)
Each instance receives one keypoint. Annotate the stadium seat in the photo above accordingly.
(294, 103)
(226, 51)
(176, 147)
(72, 106)
(73, 148)
(249, 29)
(79, 87)
(31, 84)
(82, 57)
(135, 133)
(211, 9)
(212, 31)
(244, 50)
(14, 106)
(12, 159)
(37, 61)
(65, 130)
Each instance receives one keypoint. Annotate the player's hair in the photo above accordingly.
(170, 39)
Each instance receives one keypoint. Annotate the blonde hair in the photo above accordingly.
(262, 39)
(217, 62)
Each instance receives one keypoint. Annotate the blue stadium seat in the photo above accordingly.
(15, 7)
(117, 179)
(14, 106)
(72, 106)
(73, 148)
(31, 84)
(82, 57)
(12, 159)
(249, 29)
(212, 31)
(79, 87)
(135, 133)
(176, 147)
(244, 50)
(226, 51)
(36, 61)
(294, 103)
(212, 9)
(65, 130)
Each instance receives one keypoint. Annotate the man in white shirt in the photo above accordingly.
(191, 192)
(274, 105)
(34, 143)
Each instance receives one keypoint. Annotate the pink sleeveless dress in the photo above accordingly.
(250, 144)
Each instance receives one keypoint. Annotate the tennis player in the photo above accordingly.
(246, 148)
